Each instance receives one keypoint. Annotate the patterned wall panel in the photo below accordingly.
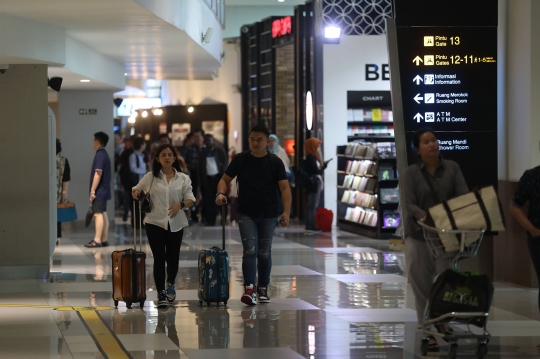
(357, 17)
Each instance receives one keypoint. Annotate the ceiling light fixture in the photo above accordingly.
(207, 37)
(157, 112)
(85, 80)
(145, 114)
(132, 119)
(190, 109)
(332, 35)
(309, 111)
(281, 0)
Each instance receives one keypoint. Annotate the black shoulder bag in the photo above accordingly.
(146, 200)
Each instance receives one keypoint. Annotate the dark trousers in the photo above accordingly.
(58, 229)
(194, 186)
(534, 251)
(165, 246)
(128, 201)
(209, 207)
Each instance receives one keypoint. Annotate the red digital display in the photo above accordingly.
(282, 27)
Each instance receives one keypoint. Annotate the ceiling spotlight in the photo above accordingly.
(55, 83)
(85, 80)
(332, 35)
(144, 113)
(157, 112)
(190, 109)
(132, 119)
(125, 73)
(207, 37)
(281, 0)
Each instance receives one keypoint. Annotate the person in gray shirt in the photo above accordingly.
(418, 196)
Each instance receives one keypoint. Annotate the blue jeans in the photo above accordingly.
(534, 251)
(312, 203)
(257, 234)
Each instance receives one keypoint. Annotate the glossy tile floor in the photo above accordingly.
(334, 295)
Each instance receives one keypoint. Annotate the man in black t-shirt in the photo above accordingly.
(528, 192)
(260, 175)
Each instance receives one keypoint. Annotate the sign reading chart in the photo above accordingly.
(449, 78)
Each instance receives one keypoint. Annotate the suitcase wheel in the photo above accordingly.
(225, 303)
(481, 352)
(452, 353)
(128, 305)
(424, 347)
(116, 304)
(141, 303)
(200, 303)
(207, 304)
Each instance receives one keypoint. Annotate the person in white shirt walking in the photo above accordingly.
(170, 191)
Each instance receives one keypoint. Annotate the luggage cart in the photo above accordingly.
(469, 243)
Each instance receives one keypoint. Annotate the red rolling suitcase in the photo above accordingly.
(129, 271)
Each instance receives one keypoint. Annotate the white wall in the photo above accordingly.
(223, 89)
(77, 135)
(237, 16)
(344, 70)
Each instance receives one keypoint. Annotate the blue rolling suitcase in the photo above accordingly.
(214, 272)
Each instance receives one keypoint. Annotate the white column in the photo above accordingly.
(28, 211)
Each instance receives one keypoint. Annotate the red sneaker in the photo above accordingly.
(249, 297)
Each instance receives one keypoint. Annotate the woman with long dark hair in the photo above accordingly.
(314, 166)
(170, 191)
(423, 185)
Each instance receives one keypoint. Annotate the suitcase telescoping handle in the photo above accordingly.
(223, 214)
(135, 226)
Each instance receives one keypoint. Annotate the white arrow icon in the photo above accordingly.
(418, 117)
(418, 60)
(417, 97)
(418, 79)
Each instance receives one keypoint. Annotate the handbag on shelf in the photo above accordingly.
(66, 212)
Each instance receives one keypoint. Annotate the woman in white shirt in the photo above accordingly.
(170, 192)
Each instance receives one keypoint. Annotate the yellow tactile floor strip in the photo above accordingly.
(107, 343)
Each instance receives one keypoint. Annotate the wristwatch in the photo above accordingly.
(182, 205)
(217, 194)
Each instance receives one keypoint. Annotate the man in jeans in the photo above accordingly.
(528, 192)
(260, 175)
(100, 190)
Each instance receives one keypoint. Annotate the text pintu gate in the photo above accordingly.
(448, 83)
